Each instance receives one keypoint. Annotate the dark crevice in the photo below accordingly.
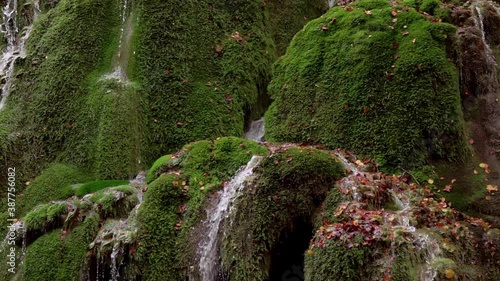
(287, 257)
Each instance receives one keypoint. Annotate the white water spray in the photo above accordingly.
(209, 248)
(16, 47)
(256, 131)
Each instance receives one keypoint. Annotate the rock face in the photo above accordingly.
(375, 77)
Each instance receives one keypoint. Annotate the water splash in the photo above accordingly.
(208, 250)
(16, 48)
(256, 131)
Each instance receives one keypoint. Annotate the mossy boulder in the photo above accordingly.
(373, 78)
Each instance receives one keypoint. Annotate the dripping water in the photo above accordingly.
(208, 249)
(479, 20)
(120, 60)
(256, 131)
(16, 47)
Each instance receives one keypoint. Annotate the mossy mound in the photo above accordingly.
(372, 77)
(173, 202)
(283, 197)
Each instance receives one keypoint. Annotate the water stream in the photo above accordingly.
(16, 47)
(256, 131)
(479, 20)
(120, 60)
(209, 247)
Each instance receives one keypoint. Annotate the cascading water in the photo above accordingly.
(16, 47)
(208, 249)
(332, 3)
(479, 20)
(422, 240)
(349, 184)
(120, 60)
(256, 131)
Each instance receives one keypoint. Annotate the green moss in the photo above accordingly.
(52, 257)
(44, 215)
(53, 184)
(157, 235)
(91, 187)
(289, 16)
(177, 61)
(289, 186)
(335, 262)
(157, 164)
(430, 6)
(69, 44)
(338, 87)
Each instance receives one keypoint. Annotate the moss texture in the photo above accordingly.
(375, 83)
(174, 199)
(48, 103)
(210, 63)
(290, 185)
(53, 184)
(57, 257)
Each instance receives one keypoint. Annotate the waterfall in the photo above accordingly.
(349, 184)
(120, 60)
(422, 240)
(479, 20)
(256, 131)
(16, 47)
(208, 249)
(332, 3)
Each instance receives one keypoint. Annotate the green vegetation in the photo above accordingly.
(203, 71)
(289, 185)
(57, 257)
(165, 229)
(44, 215)
(384, 89)
(91, 187)
(53, 184)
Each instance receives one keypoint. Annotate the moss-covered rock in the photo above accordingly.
(375, 79)
(288, 188)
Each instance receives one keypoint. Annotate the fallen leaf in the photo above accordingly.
(475, 172)
(449, 273)
(471, 141)
(483, 165)
(491, 188)
(324, 27)
(179, 124)
(430, 181)
(368, 12)
(448, 188)
(414, 40)
(453, 181)
(405, 33)
(394, 20)
(394, 13)
(488, 198)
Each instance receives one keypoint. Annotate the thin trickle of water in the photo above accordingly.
(209, 248)
(117, 252)
(350, 183)
(256, 131)
(16, 48)
(479, 20)
(422, 240)
(120, 60)
(332, 3)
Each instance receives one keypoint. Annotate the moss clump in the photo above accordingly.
(157, 235)
(357, 80)
(57, 257)
(69, 45)
(174, 199)
(211, 63)
(53, 184)
(289, 16)
(91, 187)
(289, 186)
(44, 215)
